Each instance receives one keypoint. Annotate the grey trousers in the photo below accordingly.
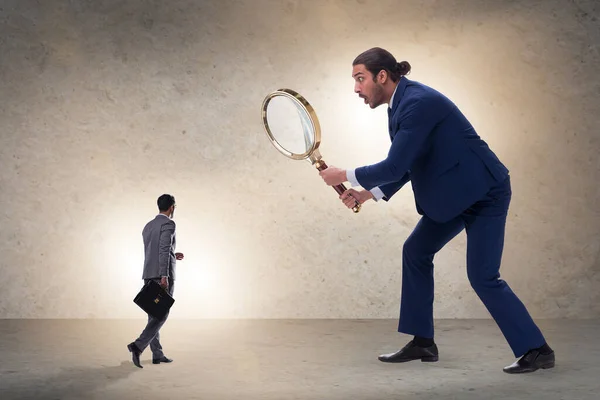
(150, 335)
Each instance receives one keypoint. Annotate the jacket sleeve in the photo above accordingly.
(164, 247)
(390, 189)
(415, 125)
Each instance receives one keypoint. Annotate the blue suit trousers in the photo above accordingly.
(484, 223)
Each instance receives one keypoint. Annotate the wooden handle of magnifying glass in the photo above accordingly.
(338, 188)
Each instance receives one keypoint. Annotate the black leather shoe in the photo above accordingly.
(412, 352)
(531, 361)
(163, 359)
(135, 354)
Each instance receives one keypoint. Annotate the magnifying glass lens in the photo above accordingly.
(290, 125)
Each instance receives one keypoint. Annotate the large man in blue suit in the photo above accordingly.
(458, 183)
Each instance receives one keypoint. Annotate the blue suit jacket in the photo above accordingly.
(436, 148)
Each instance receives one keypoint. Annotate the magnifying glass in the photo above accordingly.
(293, 128)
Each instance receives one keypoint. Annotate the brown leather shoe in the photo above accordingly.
(531, 361)
(412, 352)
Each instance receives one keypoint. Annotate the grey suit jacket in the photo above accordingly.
(159, 248)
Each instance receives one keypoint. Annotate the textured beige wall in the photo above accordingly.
(104, 106)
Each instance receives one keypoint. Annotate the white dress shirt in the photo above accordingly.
(351, 174)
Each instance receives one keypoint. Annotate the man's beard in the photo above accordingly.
(377, 95)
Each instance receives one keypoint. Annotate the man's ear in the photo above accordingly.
(382, 77)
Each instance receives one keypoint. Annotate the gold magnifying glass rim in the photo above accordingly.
(303, 103)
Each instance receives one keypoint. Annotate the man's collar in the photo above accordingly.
(398, 93)
(392, 98)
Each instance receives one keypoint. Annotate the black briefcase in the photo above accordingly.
(154, 300)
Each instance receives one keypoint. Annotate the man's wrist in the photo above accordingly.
(367, 195)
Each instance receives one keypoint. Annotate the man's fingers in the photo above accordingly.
(347, 194)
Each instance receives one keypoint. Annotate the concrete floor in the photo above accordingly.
(286, 359)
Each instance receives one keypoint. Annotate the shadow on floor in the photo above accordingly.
(68, 383)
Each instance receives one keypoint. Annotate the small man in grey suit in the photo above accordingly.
(159, 265)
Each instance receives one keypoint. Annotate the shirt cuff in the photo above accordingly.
(351, 177)
(377, 193)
